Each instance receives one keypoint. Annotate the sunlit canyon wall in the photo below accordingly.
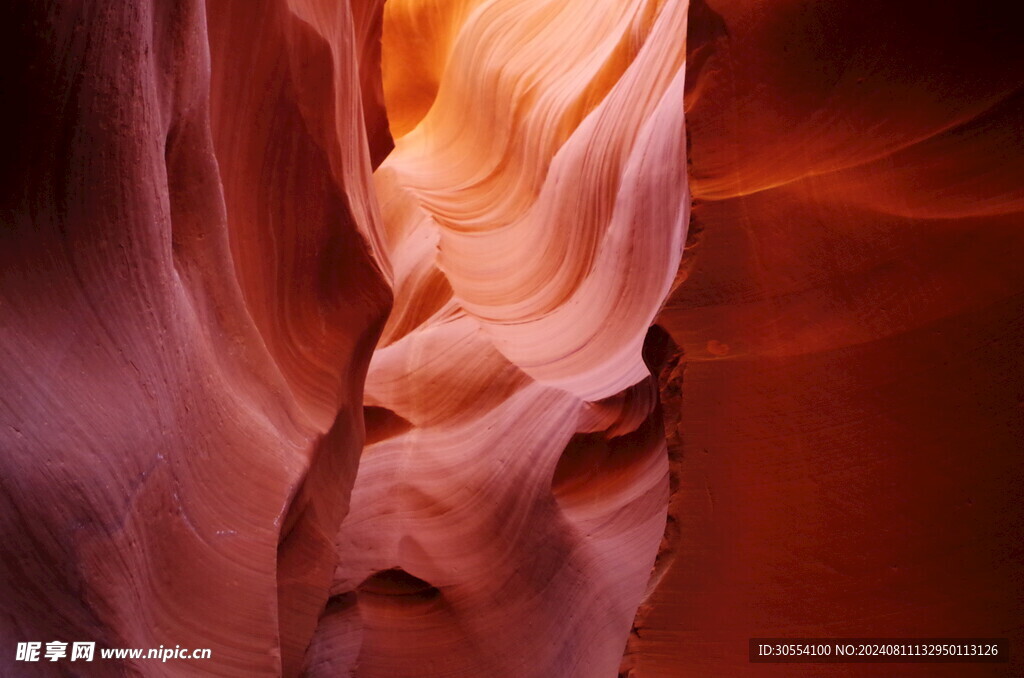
(514, 487)
(326, 333)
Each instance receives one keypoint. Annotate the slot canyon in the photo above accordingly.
(510, 338)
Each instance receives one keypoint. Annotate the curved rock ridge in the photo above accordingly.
(188, 303)
(513, 493)
(549, 181)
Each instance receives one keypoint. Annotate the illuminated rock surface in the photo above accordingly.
(514, 491)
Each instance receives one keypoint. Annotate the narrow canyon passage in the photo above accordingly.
(533, 216)
(426, 339)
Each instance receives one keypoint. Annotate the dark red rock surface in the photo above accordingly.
(851, 324)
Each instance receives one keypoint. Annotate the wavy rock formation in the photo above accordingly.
(181, 368)
(197, 266)
(358, 338)
(514, 491)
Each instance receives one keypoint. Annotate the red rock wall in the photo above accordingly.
(850, 322)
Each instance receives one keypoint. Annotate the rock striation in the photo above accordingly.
(187, 309)
(514, 490)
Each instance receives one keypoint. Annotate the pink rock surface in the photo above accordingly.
(181, 382)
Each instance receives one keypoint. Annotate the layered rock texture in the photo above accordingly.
(514, 487)
(188, 314)
(353, 338)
